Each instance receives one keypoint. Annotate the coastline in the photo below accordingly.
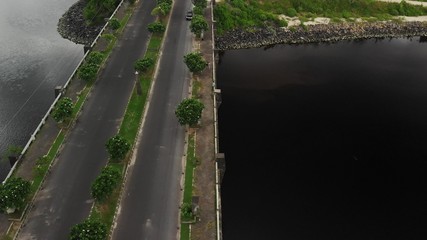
(259, 37)
(72, 25)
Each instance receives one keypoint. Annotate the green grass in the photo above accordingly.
(254, 13)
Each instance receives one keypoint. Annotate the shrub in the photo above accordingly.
(63, 109)
(95, 57)
(144, 64)
(117, 147)
(189, 111)
(156, 27)
(88, 72)
(13, 193)
(195, 62)
(105, 183)
(89, 229)
(114, 23)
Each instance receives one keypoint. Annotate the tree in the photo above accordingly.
(144, 64)
(63, 109)
(13, 194)
(117, 147)
(114, 23)
(198, 25)
(156, 27)
(96, 10)
(195, 62)
(105, 183)
(89, 229)
(189, 111)
(94, 57)
(162, 9)
(88, 72)
(201, 3)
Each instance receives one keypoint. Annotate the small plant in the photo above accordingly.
(117, 147)
(114, 23)
(105, 183)
(13, 194)
(144, 64)
(63, 109)
(186, 211)
(41, 165)
(89, 229)
(88, 72)
(95, 57)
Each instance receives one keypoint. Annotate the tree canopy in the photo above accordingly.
(13, 193)
(189, 111)
(117, 147)
(89, 229)
(195, 62)
(63, 109)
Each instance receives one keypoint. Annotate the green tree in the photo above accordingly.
(143, 64)
(105, 183)
(88, 71)
(162, 9)
(96, 10)
(94, 57)
(156, 27)
(198, 10)
(63, 109)
(195, 62)
(189, 111)
(13, 193)
(201, 3)
(89, 229)
(114, 23)
(117, 147)
(198, 25)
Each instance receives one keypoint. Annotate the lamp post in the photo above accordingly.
(138, 85)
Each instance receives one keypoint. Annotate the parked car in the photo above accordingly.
(189, 15)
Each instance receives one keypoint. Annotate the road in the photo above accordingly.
(150, 204)
(65, 198)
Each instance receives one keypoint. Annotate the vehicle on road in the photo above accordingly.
(189, 15)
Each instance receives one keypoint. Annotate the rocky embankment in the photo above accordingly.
(72, 25)
(238, 39)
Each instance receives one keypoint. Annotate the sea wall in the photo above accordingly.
(238, 38)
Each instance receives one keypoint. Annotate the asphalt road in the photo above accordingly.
(152, 195)
(65, 199)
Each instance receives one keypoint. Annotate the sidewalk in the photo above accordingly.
(204, 176)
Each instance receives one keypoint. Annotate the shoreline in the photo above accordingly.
(72, 25)
(261, 37)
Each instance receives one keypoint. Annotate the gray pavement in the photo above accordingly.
(150, 204)
(65, 198)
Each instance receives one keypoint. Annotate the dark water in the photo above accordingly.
(34, 59)
(325, 141)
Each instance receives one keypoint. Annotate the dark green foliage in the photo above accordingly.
(189, 111)
(164, 1)
(88, 72)
(63, 109)
(186, 211)
(13, 193)
(156, 27)
(144, 64)
(96, 10)
(248, 14)
(117, 147)
(114, 23)
(198, 25)
(198, 10)
(89, 229)
(94, 57)
(105, 183)
(200, 3)
(162, 9)
(195, 62)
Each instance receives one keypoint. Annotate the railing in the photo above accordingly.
(43, 121)
(217, 171)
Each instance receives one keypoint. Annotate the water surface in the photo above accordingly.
(34, 59)
(325, 141)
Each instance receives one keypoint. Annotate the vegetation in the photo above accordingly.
(114, 23)
(142, 65)
(63, 109)
(186, 211)
(198, 25)
(13, 194)
(162, 9)
(105, 183)
(156, 27)
(195, 62)
(117, 147)
(96, 10)
(200, 3)
(88, 72)
(89, 229)
(247, 14)
(189, 111)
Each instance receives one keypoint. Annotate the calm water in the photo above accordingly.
(325, 141)
(34, 59)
